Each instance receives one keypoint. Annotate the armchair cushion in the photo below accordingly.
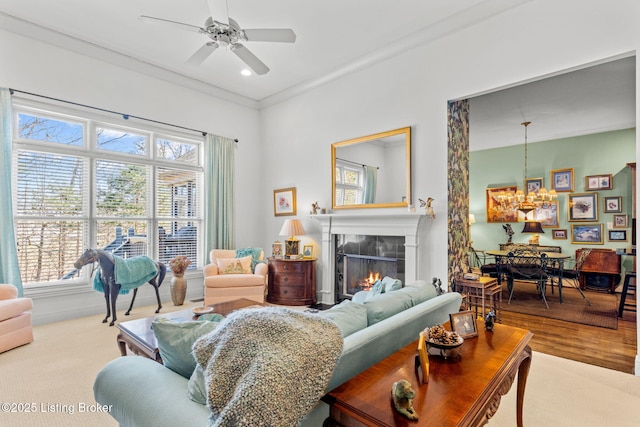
(234, 265)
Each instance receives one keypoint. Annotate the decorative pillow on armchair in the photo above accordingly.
(234, 265)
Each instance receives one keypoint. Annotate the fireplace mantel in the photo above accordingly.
(396, 224)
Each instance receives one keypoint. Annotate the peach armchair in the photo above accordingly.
(227, 277)
(15, 318)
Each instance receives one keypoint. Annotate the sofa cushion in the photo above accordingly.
(234, 265)
(14, 307)
(175, 339)
(386, 305)
(419, 294)
(196, 390)
(349, 316)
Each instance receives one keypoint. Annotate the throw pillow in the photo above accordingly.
(234, 265)
(255, 254)
(196, 390)
(391, 284)
(175, 339)
(349, 316)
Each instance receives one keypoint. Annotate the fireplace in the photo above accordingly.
(361, 260)
(377, 236)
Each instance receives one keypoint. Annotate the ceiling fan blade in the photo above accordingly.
(202, 53)
(250, 59)
(270, 35)
(182, 25)
(218, 10)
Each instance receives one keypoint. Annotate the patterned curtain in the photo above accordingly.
(219, 191)
(9, 269)
(458, 188)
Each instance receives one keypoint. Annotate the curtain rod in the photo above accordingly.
(124, 116)
(355, 163)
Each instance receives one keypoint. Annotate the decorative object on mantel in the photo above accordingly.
(292, 227)
(437, 283)
(315, 207)
(403, 396)
(427, 207)
(509, 231)
(178, 285)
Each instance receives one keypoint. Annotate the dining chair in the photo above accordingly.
(527, 265)
(570, 275)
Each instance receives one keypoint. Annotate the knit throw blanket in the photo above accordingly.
(129, 273)
(267, 366)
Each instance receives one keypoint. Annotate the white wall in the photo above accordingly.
(412, 89)
(39, 68)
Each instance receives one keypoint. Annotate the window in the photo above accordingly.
(84, 183)
(349, 184)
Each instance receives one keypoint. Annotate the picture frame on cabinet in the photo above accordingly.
(598, 182)
(464, 323)
(307, 251)
(277, 249)
(621, 221)
(583, 206)
(562, 180)
(612, 204)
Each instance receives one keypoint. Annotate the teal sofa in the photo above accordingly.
(142, 392)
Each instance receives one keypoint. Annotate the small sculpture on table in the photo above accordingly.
(490, 321)
(403, 395)
(509, 231)
(315, 207)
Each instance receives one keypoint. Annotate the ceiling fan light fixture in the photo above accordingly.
(245, 72)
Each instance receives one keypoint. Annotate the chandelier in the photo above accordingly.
(518, 201)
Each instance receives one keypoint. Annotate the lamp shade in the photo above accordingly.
(292, 227)
(532, 227)
(472, 218)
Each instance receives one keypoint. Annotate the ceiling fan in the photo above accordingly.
(225, 31)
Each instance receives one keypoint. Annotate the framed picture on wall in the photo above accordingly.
(494, 212)
(547, 215)
(533, 185)
(612, 204)
(562, 180)
(284, 201)
(559, 234)
(620, 221)
(583, 207)
(598, 182)
(590, 234)
(617, 235)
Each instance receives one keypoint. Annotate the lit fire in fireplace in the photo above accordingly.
(366, 283)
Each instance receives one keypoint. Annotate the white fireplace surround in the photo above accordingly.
(400, 224)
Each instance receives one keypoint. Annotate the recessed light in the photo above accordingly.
(245, 72)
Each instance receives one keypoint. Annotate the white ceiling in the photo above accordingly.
(333, 37)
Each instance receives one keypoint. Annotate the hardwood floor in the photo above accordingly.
(609, 348)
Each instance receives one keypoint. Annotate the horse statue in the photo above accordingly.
(119, 275)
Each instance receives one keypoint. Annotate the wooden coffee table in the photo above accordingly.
(138, 334)
(462, 391)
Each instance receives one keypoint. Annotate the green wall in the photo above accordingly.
(596, 154)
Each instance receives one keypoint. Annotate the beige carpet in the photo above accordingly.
(57, 370)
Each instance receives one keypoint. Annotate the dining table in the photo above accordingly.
(554, 268)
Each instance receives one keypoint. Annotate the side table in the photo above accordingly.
(482, 295)
(292, 281)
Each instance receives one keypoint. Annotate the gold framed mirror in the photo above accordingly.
(372, 171)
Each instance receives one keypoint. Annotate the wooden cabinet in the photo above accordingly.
(601, 269)
(292, 281)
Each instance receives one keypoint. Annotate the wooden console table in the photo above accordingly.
(464, 391)
(292, 281)
(600, 263)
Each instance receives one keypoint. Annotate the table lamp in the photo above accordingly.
(292, 227)
(533, 227)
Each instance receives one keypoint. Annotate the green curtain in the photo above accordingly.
(219, 191)
(370, 184)
(9, 269)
